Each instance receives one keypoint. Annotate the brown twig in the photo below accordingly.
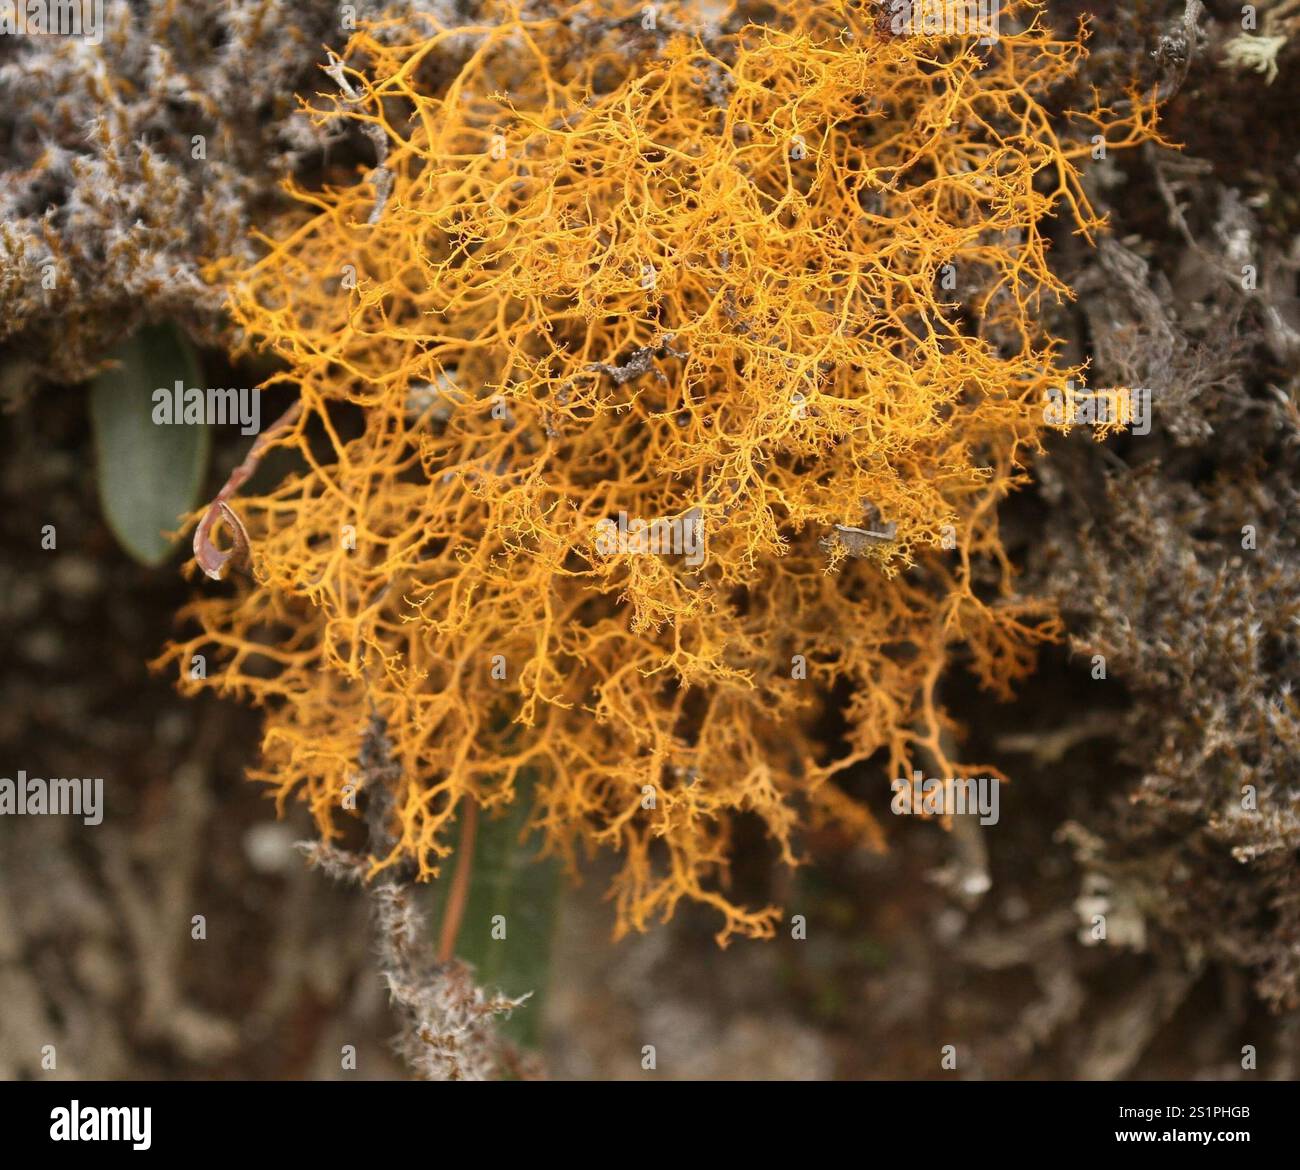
(212, 560)
(459, 884)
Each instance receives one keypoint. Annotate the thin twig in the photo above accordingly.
(459, 884)
(212, 560)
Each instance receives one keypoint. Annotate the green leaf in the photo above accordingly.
(149, 474)
(511, 888)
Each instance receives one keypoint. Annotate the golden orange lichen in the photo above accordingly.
(604, 268)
